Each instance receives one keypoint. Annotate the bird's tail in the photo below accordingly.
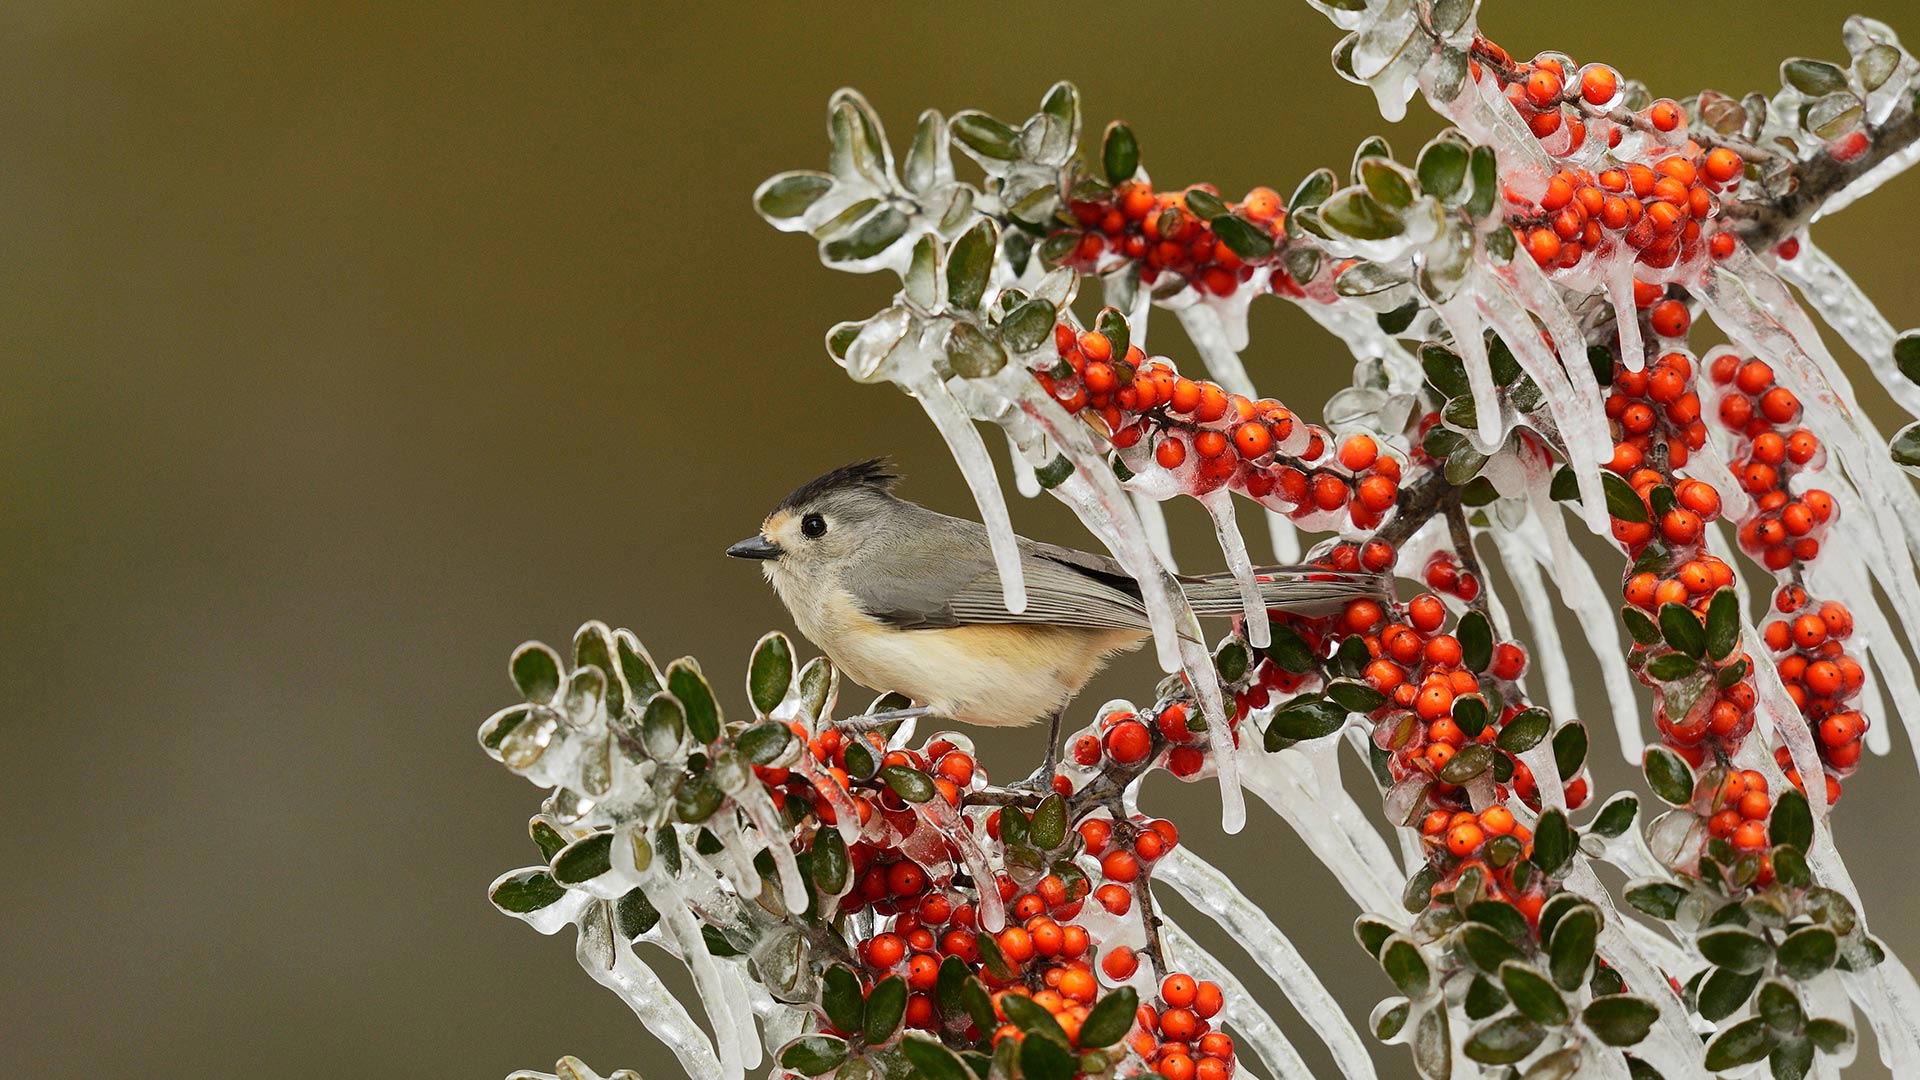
(1301, 590)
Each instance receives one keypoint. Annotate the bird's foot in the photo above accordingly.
(1041, 780)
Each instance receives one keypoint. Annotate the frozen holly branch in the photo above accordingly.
(854, 900)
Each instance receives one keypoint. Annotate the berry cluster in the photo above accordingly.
(1209, 438)
(1158, 230)
(1784, 532)
(1175, 1033)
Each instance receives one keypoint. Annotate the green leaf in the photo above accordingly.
(1442, 169)
(1502, 916)
(1049, 825)
(1791, 1058)
(970, 265)
(1308, 718)
(1829, 1035)
(770, 672)
(764, 742)
(584, 859)
(1476, 641)
(1484, 167)
(1906, 445)
(985, 136)
(873, 235)
(1401, 960)
(787, 196)
(1372, 934)
(831, 864)
(634, 914)
(1029, 326)
(1615, 817)
(1045, 1059)
(1120, 153)
(840, 997)
(1565, 486)
(1724, 991)
(1571, 951)
(1622, 501)
(1668, 667)
(886, 1005)
(1524, 731)
(690, 688)
(1470, 711)
(1723, 624)
(1433, 1045)
(1554, 842)
(1483, 998)
(1532, 994)
(978, 1003)
(1906, 355)
(1780, 1007)
(1387, 182)
(1734, 948)
(697, 797)
(1355, 696)
(1485, 946)
(1814, 78)
(932, 1060)
(1792, 820)
(1110, 1018)
(1243, 237)
(1660, 899)
(1639, 625)
(1669, 775)
(526, 890)
(1204, 204)
(1570, 749)
(1504, 1041)
(536, 672)
(1682, 630)
(1472, 760)
(1352, 212)
(1742, 1044)
(1620, 1019)
(1790, 867)
(1231, 660)
(1054, 473)
(1290, 650)
(909, 783)
(546, 838)
(971, 353)
(1445, 370)
(1313, 190)
(813, 1055)
(1807, 952)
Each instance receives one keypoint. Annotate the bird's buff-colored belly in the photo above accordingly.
(991, 675)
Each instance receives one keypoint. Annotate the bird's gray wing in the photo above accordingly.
(951, 581)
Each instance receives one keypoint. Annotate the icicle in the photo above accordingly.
(732, 860)
(1286, 539)
(1547, 654)
(1096, 497)
(1332, 826)
(970, 453)
(1256, 1029)
(1891, 1001)
(1891, 166)
(937, 815)
(1219, 506)
(1846, 308)
(1024, 479)
(1463, 322)
(677, 917)
(1619, 265)
(1361, 333)
(768, 822)
(1215, 894)
(615, 965)
(1209, 336)
(779, 1023)
(1154, 520)
(1580, 592)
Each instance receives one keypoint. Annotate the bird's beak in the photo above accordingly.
(756, 547)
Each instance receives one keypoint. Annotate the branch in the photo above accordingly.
(1763, 224)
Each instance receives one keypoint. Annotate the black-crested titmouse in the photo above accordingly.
(903, 598)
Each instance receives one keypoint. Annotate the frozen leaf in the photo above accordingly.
(1401, 960)
(985, 137)
(1724, 991)
(1110, 1018)
(1570, 749)
(1670, 777)
(1524, 731)
(1433, 1045)
(1807, 952)
(785, 198)
(1442, 169)
(1742, 1044)
(536, 672)
(1615, 817)
(1532, 994)
(1387, 181)
(814, 1055)
(972, 353)
(663, 725)
(527, 890)
(770, 672)
(1622, 501)
(1780, 1006)
(1120, 153)
(1813, 78)
(765, 742)
(1791, 821)
(970, 265)
(1620, 1019)
(1353, 212)
(1723, 624)
(584, 859)
(932, 1060)
(690, 688)
(1245, 239)
(1570, 953)
(1553, 842)
(909, 783)
(1504, 1041)
(1045, 1059)
(1734, 948)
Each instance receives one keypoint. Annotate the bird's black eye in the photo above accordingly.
(813, 525)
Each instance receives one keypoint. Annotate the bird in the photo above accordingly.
(903, 598)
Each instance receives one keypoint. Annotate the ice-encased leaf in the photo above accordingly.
(770, 672)
(970, 265)
(1355, 213)
(784, 199)
(691, 689)
(536, 672)
(1620, 1019)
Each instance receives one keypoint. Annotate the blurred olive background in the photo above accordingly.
(346, 346)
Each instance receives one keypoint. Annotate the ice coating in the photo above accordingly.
(612, 963)
(1255, 1027)
(1463, 322)
(976, 466)
(1330, 824)
(1843, 305)
(945, 822)
(1219, 507)
(1547, 652)
(684, 936)
(1672, 1046)
(1215, 895)
(1209, 336)
(753, 798)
